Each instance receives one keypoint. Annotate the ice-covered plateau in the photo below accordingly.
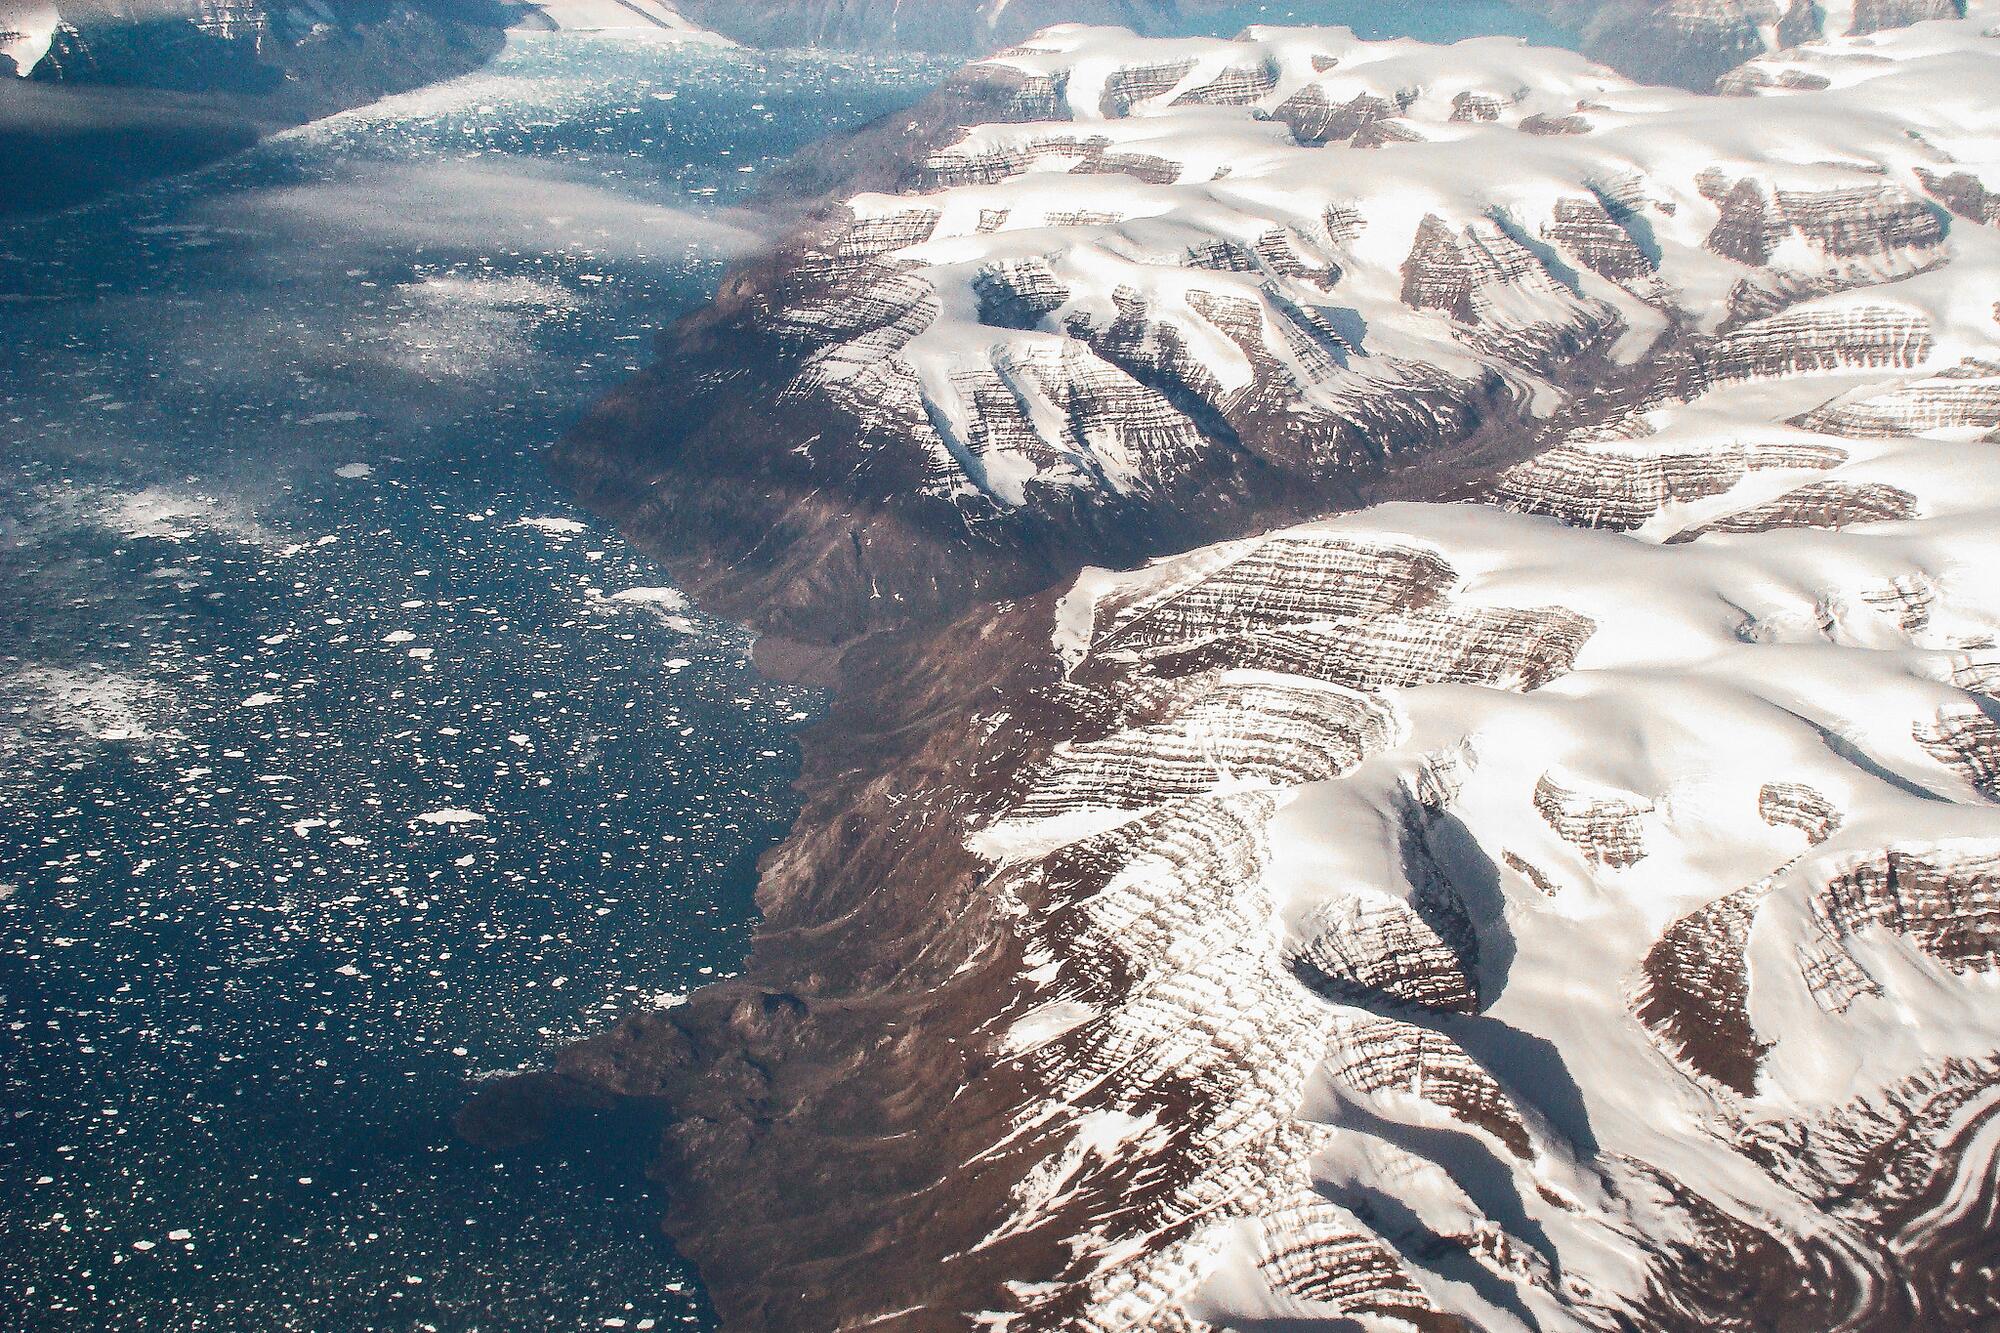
(1570, 903)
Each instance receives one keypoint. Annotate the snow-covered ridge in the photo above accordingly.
(1271, 267)
(641, 16)
(1691, 42)
(1425, 789)
(26, 29)
(1578, 909)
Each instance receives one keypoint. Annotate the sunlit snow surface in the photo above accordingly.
(288, 602)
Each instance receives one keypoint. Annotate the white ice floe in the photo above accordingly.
(449, 816)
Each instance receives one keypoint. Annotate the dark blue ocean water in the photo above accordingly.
(334, 772)
(342, 763)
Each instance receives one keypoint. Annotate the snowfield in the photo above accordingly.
(1554, 894)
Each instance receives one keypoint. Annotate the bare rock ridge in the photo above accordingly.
(1562, 896)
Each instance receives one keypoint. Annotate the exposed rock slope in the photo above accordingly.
(1575, 907)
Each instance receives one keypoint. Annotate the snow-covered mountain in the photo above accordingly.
(1163, 292)
(237, 46)
(651, 16)
(968, 27)
(1564, 897)
(1683, 42)
(26, 29)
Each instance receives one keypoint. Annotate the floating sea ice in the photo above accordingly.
(555, 527)
(450, 816)
(671, 599)
(354, 471)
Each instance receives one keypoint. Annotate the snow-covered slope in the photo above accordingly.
(1549, 911)
(1572, 906)
(1539, 909)
(26, 28)
(609, 16)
